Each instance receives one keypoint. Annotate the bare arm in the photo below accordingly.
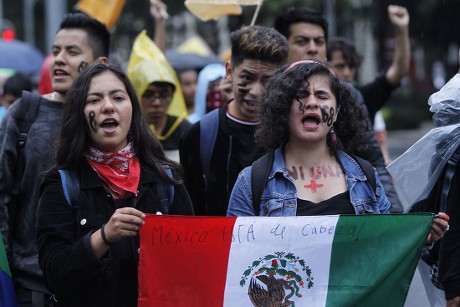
(159, 15)
(399, 17)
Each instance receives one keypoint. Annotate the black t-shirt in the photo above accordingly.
(338, 204)
(172, 142)
(244, 149)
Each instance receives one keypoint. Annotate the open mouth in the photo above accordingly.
(109, 124)
(311, 120)
(60, 73)
(251, 105)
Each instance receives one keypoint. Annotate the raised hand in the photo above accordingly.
(398, 15)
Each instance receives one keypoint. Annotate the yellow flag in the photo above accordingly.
(213, 9)
(148, 64)
(106, 11)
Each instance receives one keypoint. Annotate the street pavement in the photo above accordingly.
(398, 143)
(400, 140)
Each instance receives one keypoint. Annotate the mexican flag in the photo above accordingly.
(7, 294)
(337, 260)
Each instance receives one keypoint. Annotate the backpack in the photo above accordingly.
(436, 201)
(261, 170)
(71, 188)
(209, 126)
(25, 116)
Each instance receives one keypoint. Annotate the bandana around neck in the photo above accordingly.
(120, 170)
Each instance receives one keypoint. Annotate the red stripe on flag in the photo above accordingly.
(166, 282)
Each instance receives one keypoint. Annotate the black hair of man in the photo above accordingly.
(17, 83)
(258, 43)
(98, 34)
(348, 50)
(293, 15)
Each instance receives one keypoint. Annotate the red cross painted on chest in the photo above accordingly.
(313, 186)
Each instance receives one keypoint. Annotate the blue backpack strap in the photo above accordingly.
(167, 195)
(70, 186)
(209, 126)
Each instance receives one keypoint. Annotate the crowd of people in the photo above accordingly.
(285, 99)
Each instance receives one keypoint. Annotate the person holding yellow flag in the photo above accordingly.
(159, 93)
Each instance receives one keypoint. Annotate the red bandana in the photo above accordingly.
(120, 170)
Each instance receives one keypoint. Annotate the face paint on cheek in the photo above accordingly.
(242, 87)
(92, 120)
(82, 66)
(328, 115)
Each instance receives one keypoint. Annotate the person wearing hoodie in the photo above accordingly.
(156, 87)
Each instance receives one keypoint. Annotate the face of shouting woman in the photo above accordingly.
(108, 112)
(313, 111)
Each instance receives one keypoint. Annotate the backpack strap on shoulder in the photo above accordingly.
(259, 176)
(171, 188)
(70, 186)
(166, 190)
(368, 170)
(209, 126)
(25, 115)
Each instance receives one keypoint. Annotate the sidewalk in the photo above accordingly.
(400, 140)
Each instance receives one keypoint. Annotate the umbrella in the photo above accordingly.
(188, 60)
(20, 56)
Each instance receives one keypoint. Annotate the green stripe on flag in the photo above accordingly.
(376, 267)
(3, 260)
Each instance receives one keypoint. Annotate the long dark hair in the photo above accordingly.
(280, 92)
(74, 133)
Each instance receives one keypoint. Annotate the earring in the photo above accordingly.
(333, 136)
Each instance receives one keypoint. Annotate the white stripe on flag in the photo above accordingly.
(302, 238)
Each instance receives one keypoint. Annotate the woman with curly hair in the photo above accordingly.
(308, 118)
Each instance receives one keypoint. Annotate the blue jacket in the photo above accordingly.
(279, 197)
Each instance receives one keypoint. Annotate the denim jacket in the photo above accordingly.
(279, 197)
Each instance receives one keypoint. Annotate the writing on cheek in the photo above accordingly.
(328, 115)
(92, 120)
(242, 87)
(83, 65)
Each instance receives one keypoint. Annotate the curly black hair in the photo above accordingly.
(281, 91)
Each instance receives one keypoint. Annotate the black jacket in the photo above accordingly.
(447, 250)
(17, 212)
(376, 94)
(70, 268)
(210, 196)
(371, 151)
